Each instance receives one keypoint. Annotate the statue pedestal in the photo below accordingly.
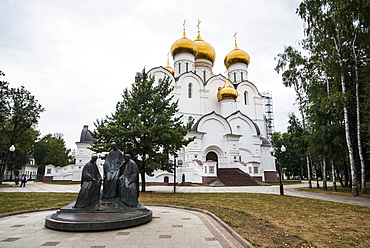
(98, 218)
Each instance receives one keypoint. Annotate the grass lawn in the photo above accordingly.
(263, 220)
(345, 191)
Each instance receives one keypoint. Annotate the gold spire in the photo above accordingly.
(236, 55)
(168, 66)
(235, 43)
(205, 50)
(184, 45)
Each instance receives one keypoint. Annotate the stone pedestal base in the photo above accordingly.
(69, 219)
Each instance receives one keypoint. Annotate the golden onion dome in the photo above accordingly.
(168, 66)
(227, 92)
(205, 50)
(184, 45)
(236, 56)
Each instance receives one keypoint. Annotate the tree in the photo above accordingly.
(144, 125)
(296, 73)
(51, 149)
(336, 32)
(19, 114)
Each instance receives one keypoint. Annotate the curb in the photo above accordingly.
(234, 234)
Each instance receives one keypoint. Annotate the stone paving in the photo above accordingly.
(170, 227)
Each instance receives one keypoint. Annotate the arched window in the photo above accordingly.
(241, 75)
(246, 101)
(159, 81)
(179, 68)
(190, 89)
(204, 76)
(234, 76)
(190, 119)
(183, 178)
(166, 179)
(187, 67)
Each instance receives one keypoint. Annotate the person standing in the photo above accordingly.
(16, 180)
(23, 180)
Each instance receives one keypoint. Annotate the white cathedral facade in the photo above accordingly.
(230, 124)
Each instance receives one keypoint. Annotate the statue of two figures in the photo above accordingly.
(120, 188)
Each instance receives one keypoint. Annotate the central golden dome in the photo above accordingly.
(205, 50)
(236, 56)
(227, 92)
(184, 45)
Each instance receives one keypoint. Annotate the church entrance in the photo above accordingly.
(213, 156)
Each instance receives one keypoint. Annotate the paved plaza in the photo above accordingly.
(170, 227)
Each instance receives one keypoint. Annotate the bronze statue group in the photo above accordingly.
(120, 182)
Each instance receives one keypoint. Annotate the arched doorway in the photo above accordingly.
(213, 156)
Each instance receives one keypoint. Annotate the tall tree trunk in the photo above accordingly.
(334, 177)
(346, 118)
(358, 120)
(143, 184)
(324, 179)
(309, 171)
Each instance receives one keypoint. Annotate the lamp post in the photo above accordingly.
(174, 173)
(11, 150)
(272, 151)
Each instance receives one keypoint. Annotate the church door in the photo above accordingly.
(213, 156)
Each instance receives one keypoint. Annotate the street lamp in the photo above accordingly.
(272, 151)
(174, 173)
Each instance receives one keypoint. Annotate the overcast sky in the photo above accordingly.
(76, 57)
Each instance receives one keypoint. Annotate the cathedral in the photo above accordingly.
(230, 123)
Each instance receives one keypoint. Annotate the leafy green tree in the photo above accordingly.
(51, 149)
(19, 114)
(335, 33)
(144, 125)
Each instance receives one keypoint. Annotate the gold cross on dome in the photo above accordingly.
(184, 23)
(198, 24)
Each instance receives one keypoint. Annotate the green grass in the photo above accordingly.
(344, 191)
(264, 220)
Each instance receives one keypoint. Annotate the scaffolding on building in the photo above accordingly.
(269, 113)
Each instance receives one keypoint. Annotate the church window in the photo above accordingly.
(183, 178)
(190, 88)
(234, 76)
(205, 169)
(211, 169)
(246, 101)
(48, 171)
(190, 119)
(204, 76)
(250, 170)
(241, 74)
(159, 81)
(255, 170)
(187, 67)
(179, 68)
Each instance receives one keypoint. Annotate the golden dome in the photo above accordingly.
(227, 92)
(236, 56)
(168, 66)
(184, 45)
(205, 50)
